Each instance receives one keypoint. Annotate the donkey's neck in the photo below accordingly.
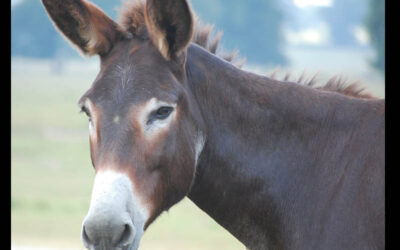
(261, 135)
(230, 185)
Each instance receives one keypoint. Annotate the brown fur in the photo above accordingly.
(339, 85)
(161, 17)
(100, 25)
(134, 48)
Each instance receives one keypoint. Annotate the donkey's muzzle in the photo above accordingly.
(115, 232)
(115, 218)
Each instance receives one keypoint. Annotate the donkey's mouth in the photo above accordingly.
(134, 246)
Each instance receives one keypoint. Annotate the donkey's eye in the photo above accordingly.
(160, 114)
(86, 111)
(163, 112)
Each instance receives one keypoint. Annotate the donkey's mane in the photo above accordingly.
(334, 84)
(131, 18)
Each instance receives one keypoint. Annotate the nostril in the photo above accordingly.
(85, 238)
(127, 235)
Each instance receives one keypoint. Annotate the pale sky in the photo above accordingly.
(309, 3)
(14, 2)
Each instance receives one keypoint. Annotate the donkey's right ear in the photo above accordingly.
(84, 24)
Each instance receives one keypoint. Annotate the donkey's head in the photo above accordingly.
(145, 128)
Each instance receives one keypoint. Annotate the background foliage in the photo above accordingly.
(34, 35)
(375, 22)
(252, 26)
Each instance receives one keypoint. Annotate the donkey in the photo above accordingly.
(278, 164)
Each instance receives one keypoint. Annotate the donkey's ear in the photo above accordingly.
(84, 24)
(170, 25)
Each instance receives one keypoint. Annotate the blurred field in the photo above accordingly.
(51, 176)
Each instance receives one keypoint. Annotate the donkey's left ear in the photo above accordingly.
(170, 25)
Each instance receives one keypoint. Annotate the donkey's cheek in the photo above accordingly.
(146, 183)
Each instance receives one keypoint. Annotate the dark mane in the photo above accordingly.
(334, 84)
(131, 18)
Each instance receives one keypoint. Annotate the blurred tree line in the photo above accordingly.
(33, 34)
(348, 13)
(342, 17)
(375, 23)
(251, 26)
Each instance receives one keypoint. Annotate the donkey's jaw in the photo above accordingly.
(116, 216)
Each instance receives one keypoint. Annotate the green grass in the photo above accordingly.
(51, 175)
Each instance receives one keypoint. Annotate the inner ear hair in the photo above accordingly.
(170, 25)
